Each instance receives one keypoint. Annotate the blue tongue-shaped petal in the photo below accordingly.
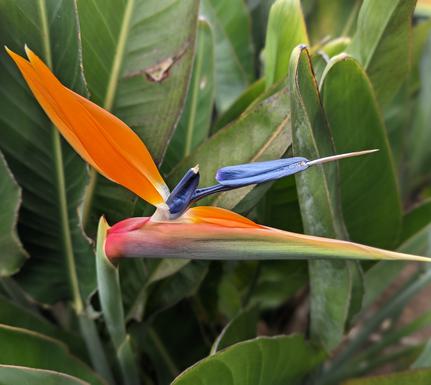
(260, 172)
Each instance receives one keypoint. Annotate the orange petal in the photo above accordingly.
(102, 139)
(218, 216)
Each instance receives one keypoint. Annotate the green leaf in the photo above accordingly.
(194, 124)
(13, 254)
(417, 230)
(421, 33)
(137, 61)
(261, 133)
(327, 51)
(286, 30)
(140, 281)
(241, 328)
(181, 285)
(108, 283)
(240, 105)
(15, 315)
(382, 39)
(281, 202)
(26, 348)
(11, 375)
(278, 282)
(418, 155)
(50, 173)
(369, 191)
(234, 61)
(416, 377)
(333, 18)
(275, 361)
(330, 281)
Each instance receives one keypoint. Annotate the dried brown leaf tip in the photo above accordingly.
(160, 71)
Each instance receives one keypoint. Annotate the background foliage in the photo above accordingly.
(220, 82)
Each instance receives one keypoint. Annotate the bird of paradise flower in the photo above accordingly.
(176, 229)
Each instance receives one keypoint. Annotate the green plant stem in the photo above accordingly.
(108, 283)
(158, 343)
(95, 347)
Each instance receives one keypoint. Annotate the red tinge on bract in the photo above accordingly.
(215, 233)
(102, 139)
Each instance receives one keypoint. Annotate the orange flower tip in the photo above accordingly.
(9, 51)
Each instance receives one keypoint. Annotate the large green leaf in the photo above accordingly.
(242, 327)
(275, 361)
(234, 61)
(50, 173)
(286, 30)
(416, 377)
(15, 315)
(262, 133)
(369, 191)
(11, 375)
(137, 60)
(418, 154)
(240, 104)
(333, 18)
(194, 125)
(382, 43)
(13, 254)
(26, 348)
(330, 281)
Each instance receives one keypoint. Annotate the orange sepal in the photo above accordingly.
(218, 216)
(99, 137)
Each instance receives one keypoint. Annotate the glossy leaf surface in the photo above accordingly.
(275, 361)
(194, 125)
(373, 216)
(27, 348)
(234, 62)
(286, 30)
(19, 374)
(242, 327)
(330, 282)
(382, 38)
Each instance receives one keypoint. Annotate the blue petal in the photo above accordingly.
(260, 172)
(181, 196)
